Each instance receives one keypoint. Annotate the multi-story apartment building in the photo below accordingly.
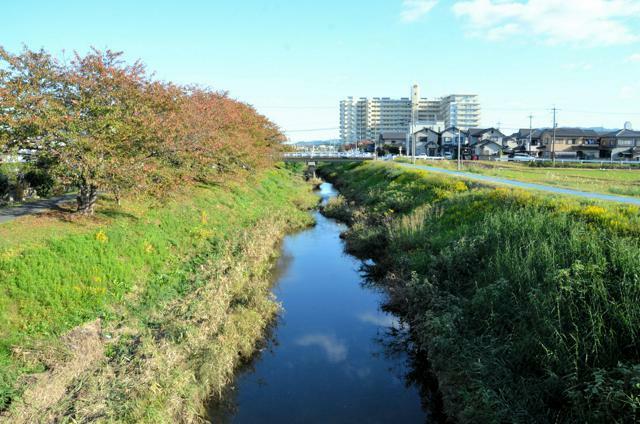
(460, 110)
(366, 118)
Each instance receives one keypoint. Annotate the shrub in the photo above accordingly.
(41, 181)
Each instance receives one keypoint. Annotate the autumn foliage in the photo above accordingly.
(106, 126)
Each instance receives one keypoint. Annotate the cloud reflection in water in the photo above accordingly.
(335, 350)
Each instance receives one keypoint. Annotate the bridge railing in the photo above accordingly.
(328, 155)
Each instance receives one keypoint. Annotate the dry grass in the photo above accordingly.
(84, 347)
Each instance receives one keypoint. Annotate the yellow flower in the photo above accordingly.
(9, 254)
(204, 217)
(148, 247)
(594, 211)
(461, 186)
(102, 237)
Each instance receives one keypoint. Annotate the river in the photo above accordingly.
(332, 356)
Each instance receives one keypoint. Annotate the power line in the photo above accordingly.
(495, 109)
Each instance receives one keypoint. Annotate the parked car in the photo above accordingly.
(448, 155)
(521, 157)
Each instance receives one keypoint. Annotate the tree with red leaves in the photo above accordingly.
(108, 126)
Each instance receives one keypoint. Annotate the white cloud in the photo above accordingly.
(413, 10)
(634, 58)
(586, 22)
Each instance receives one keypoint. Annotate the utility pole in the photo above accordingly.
(459, 156)
(530, 133)
(415, 101)
(553, 141)
(413, 144)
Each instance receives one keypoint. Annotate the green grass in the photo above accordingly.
(56, 274)
(625, 182)
(527, 305)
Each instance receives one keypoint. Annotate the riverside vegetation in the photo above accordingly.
(162, 303)
(136, 303)
(527, 305)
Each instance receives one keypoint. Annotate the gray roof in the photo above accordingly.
(623, 134)
(479, 131)
(524, 132)
(426, 129)
(395, 135)
(573, 132)
(456, 129)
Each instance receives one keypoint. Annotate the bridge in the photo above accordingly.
(312, 158)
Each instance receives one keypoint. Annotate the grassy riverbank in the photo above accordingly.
(527, 305)
(141, 312)
(586, 177)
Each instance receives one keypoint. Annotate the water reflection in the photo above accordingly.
(397, 342)
(334, 355)
(380, 320)
(335, 349)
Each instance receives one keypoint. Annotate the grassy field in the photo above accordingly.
(624, 182)
(178, 292)
(528, 305)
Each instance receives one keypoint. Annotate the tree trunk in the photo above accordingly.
(86, 199)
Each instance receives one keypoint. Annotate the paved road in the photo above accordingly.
(12, 212)
(533, 186)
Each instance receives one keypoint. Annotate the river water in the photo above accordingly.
(333, 355)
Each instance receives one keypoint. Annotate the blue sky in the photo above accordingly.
(294, 60)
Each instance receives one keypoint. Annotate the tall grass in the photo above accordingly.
(528, 306)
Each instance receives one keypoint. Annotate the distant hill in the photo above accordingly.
(601, 130)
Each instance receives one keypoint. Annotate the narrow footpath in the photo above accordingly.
(10, 213)
(531, 186)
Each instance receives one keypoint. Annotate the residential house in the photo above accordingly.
(449, 141)
(487, 149)
(393, 141)
(528, 140)
(483, 134)
(570, 143)
(620, 145)
(486, 143)
(427, 142)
